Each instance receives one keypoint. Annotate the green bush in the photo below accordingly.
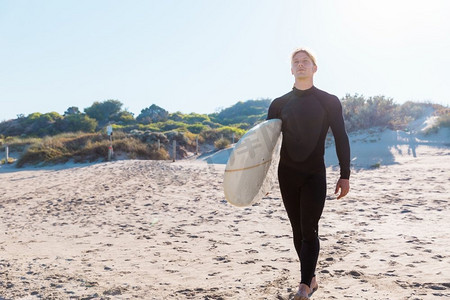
(379, 111)
(171, 125)
(230, 130)
(10, 161)
(243, 126)
(249, 111)
(77, 122)
(151, 127)
(103, 112)
(222, 143)
(196, 128)
(153, 114)
(125, 118)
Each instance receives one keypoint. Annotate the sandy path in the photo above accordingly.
(161, 230)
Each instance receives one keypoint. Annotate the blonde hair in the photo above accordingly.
(307, 52)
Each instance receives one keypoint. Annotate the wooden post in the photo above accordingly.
(196, 145)
(174, 150)
(7, 154)
(233, 137)
(109, 131)
(110, 152)
(159, 145)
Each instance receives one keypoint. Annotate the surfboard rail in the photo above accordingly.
(245, 176)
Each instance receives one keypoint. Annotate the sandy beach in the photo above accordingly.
(163, 230)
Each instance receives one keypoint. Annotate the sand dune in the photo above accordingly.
(163, 230)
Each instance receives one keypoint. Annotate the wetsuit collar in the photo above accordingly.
(303, 92)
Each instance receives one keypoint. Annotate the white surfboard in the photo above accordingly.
(245, 178)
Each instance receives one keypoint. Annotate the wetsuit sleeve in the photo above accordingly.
(273, 112)
(340, 137)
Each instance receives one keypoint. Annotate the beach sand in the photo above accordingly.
(163, 230)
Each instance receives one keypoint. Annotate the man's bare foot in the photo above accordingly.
(314, 286)
(304, 291)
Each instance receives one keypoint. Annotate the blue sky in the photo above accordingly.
(203, 55)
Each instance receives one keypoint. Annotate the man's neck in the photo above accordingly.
(303, 84)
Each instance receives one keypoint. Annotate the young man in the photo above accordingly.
(307, 113)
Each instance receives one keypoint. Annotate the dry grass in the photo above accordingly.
(86, 147)
(10, 161)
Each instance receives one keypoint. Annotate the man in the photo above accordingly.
(307, 113)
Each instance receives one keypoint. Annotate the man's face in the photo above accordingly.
(302, 67)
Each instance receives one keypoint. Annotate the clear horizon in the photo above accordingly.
(200, 56)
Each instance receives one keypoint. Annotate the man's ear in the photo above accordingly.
(315, 68)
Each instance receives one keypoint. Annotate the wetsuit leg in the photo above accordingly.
(304, 198)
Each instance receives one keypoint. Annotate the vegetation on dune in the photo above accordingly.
(443, 114)
(222, 143)
(380, 111)
(40, 125)
(81, 136)
(248, 112)
(87, 147)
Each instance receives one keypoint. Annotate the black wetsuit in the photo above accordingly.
(306, 117)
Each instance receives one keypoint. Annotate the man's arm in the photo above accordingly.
(340, 138)
(342, 149)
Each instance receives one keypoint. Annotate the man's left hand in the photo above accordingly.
(344, 186)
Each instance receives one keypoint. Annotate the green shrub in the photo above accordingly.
(194, 118)
(222, 143)
(11, 160)
(360, 113)
(152, 127)
(209, 136)
(77, 122)
(228, 130)
(171, 125)
(104, 111)
(243, 126)
(153, 114)
(211, 124)
(249, 111)
(196, 128)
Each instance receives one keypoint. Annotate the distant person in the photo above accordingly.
(307, 113)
